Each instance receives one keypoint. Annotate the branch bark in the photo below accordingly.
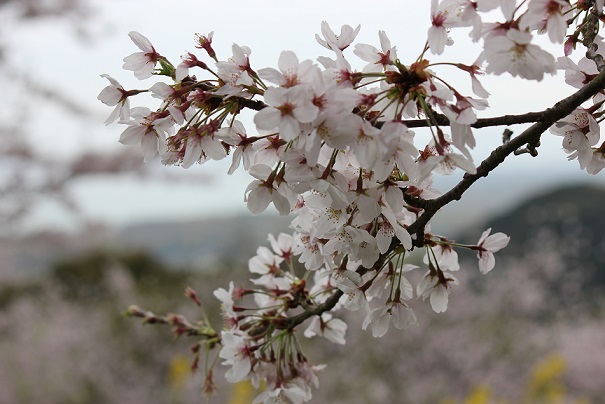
(530, 136)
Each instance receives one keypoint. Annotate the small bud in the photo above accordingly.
(191, 294)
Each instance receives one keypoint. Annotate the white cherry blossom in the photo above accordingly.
(333, 329)
(115, 95)
(141, 63)
(487, 246)
(513, 53)
(337, 42)
(289, 108)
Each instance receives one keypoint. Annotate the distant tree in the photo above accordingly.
(31, 175)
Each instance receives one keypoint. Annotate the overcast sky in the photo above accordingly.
(49, 51)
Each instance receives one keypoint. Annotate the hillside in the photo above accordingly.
(566, 224)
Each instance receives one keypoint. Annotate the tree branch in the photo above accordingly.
(503, 120)
(530, 136)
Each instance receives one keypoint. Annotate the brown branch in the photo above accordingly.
(503, 120)
(441, 119)
(530, 136)
(315, 311)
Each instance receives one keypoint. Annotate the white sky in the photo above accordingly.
(48, 51)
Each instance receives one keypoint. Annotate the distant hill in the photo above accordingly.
(567, 223)
(571, 215)
(203, 242)
(562, 210)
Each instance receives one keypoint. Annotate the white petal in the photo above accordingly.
(439, 299)
(140, 41)
(258, 200)
(267, 119)
(149, 146)
(288, 62)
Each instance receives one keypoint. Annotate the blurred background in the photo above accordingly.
(86, 229)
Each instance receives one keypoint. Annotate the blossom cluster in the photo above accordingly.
(333, 145)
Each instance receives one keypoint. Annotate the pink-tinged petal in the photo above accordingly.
(149, 146)
(239, 370)
(335, 331)
(380, 325)
(135, 62)
(422, 287)
(176, 114)
(403, 317)
(478, 88)
(124, 111)
(193, 152)
(145, 72)
(267, 119)
(258, 199)
(462, 162)
(272, 75)
(557, 28)
(484, 236)
(439, 299)
(305, 112)
(487, 261)
(260, 171)
(437, 38)
(113, 81)
(132, 135)
(276, 96)
(114, 115)
(110, 96)
(141, 42)
(235, 162)
(161, 90)
(213, 148)
(508, 9)
(289, 128)
(240, 54)
(496, 242)
(367, 53)
(385, 43)
(182, 71)
(288, 62)
(281, 203)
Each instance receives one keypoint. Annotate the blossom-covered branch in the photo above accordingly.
(333, 146)
(529, 136)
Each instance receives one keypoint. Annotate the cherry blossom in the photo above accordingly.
(289, 107)
(291, 71)
(380, 318)
(141, 63)
(378, 60)
(149, 133)
(436, 286)
(487, 246)
(337, 42)
(235, 135)
(580, 132)
(333, 147)
(555, 23)
(114, 94)
(515, 54)
(330, 328)
(236, 353)
(235, 72)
